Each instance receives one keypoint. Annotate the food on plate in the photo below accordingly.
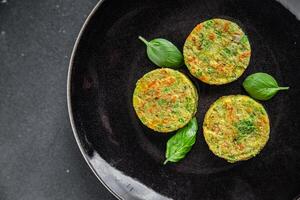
(163, 53)
(182, 142)
(165, 100)
(217, 51)
(236, 127)
(262, 86)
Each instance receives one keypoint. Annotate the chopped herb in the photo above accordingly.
(245, 127)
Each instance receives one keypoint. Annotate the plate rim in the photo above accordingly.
(69, 104)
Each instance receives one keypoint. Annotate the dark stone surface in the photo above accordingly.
(39, 157)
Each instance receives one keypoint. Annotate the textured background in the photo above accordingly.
(39, 158)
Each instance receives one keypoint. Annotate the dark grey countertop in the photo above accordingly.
(39, 157)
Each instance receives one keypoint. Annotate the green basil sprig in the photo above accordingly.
(262, 86)
(181, 143)
(163, 53)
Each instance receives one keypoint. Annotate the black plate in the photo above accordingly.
(127, 157)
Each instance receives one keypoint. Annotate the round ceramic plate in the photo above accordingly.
(126, 156)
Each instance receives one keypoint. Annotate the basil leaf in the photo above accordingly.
(181, 143)
(262, 86)
(163, 53)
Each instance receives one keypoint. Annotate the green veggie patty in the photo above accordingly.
(217, 51)
(165, 100)
(236, 127)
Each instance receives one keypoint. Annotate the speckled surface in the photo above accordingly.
(39, 157)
